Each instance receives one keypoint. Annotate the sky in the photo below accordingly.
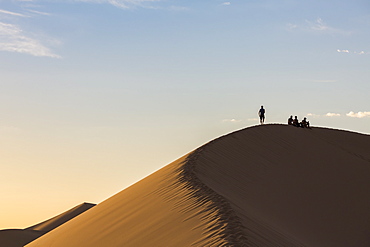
(97, 94)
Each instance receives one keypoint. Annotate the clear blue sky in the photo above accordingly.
(96, 95)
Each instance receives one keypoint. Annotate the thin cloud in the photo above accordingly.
(317, 26)
(119, 4)
(313, 115)
(226, 3)
(11, 13)
(123, 4)
(232, 120)
(39, 12)
(14, 39)
(359, 114)
(353, 52)
(291, 26)
(330, 114)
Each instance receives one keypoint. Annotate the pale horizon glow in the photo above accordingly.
(98, 94)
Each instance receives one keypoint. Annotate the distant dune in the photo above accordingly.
(270, 185)
(17, 237)
(60, 219)
(20, 237)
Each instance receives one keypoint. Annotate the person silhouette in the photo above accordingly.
(296, 122)
(305, 123)
(290, 120)
(261, 114)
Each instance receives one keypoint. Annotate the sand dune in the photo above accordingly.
(60, 219)
(21, 237)
(17, 237)
(271, 185)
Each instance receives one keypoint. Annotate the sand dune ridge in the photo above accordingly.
(263, 186)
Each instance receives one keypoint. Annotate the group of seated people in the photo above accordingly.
(295, 122)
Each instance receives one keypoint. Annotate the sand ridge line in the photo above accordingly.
(225, 221)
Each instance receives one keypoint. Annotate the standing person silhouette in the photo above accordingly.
(261, 114)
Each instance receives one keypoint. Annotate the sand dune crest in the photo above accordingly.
(271, 185)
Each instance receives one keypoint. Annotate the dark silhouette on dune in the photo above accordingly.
(261, 114)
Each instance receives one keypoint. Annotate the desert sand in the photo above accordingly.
(20, 237)
(269, 185)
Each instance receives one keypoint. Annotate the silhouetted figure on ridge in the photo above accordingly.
(261, 114)
(290, 120)
(296, 122)
(305, 123)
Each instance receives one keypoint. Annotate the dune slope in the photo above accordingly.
(159, 210)
(271, 185)
(21, 237)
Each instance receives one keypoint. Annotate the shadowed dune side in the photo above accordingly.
(291, 186)
(18, 237)
(21, 237)
(270, 185)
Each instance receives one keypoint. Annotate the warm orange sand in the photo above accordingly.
(20, 237)
(271, 185)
